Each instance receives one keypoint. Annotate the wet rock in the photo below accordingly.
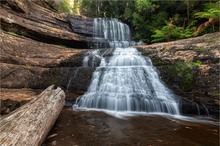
(188, 107)
(198, 83)
(78, 79)
(81, 25)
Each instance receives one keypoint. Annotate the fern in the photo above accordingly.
(173, 32)
(212, 10)
(158, 36)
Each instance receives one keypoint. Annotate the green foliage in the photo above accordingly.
(12, 33)
(164, 34)
(64, 7)
(139, 24)
(152, 20)
(200, 49)
(173, 32)
(143, 5)
(190, 30)
(185, 73)
(211, 10)
(28, 65)
(197, 63)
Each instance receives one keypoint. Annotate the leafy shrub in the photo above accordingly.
(211, 10)
(64, 7)
(173, 32)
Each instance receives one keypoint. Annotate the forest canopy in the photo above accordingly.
(153, 20)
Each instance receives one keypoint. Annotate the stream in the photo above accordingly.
(126, 102)
(95, 128)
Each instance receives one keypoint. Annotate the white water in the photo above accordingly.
(127, 82)
(115, 32)
(91, 56)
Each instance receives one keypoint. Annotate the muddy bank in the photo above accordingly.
(98, 128)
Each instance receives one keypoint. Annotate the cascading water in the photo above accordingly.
(127, 81)
(115, 32)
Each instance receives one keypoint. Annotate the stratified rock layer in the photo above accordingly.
(26, 63)
(31, 20)
(204, 85)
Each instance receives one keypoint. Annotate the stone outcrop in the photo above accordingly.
(29, 61)
(28, 67)
(26, 63)
(190, 67)
(29, 19)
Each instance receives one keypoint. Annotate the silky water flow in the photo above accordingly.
(127, 81)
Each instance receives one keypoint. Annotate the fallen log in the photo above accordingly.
(30, 124)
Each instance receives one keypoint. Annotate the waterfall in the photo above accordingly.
(90, 58)
(124, 80)
(127, 82)
(116, 33)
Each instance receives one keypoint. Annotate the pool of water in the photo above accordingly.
(101, 128)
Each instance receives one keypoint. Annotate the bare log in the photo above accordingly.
(30, 124)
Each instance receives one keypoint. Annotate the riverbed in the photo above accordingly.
(95, 128)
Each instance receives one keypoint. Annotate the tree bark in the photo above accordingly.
(30, 124)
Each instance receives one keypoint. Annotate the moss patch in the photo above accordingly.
(183, 73)
(202, 49)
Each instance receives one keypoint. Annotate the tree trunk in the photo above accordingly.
(30, 124)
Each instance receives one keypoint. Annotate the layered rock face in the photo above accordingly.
(28, 67)
(26, 63)
(29, 61)
(190, 67)
(31, 20)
